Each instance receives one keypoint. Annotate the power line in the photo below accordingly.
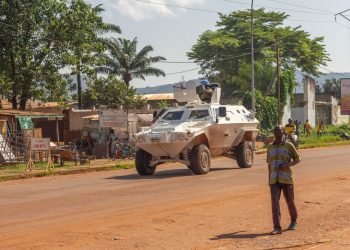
(291, 10)
(179, 72)
(330, 71)
(308, 21)
(212, 11)
(223, 59)
(300, 6)
(346, 27)
(177, 6)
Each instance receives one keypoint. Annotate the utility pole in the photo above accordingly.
(279, 119)
(252, 57)
(341, 14)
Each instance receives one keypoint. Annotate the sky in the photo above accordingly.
(172, 31)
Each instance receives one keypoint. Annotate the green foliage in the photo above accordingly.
(266, 109)
(337, 129)
(38, 38)
(112, 93)
(163, 104)
(29, 48)
(332, 86)
(81, 27)
(224, 54)
(123, 59)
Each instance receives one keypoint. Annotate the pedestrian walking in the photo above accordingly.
(281, 156)
(307, 128)
(320, 128)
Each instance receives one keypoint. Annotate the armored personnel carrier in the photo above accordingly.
(197, 131)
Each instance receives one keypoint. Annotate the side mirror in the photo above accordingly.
(222, 111)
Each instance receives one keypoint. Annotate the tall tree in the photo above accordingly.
(126, 61)
(332, 86)
(112, 93)
(82, 29)
(225, 53)
(29, 48)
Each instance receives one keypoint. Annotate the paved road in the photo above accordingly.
(121, 209)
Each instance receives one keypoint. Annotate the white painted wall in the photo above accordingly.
(341, 119)
(287, 112)
(298, 114)
(309, 101)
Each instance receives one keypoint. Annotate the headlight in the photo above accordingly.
(189, 133)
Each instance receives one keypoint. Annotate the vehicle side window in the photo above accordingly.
(199, 114)
(173, 116)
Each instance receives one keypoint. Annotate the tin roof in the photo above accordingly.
(21, 113)
(158, 97)
(91, 117)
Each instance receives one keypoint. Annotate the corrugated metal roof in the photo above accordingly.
(91, 117)
(156, 97)
(19, 113)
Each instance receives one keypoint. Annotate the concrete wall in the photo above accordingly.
(309, 101)
(341, 119)
(287, 113)
(75, 118)
(298, 114)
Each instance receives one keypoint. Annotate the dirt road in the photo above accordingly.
(229, 208)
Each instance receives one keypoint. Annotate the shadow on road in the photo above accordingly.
(157, 175)
(163, 174)
(238, 235)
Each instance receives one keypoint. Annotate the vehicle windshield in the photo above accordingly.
(199, 114)
(173, 116)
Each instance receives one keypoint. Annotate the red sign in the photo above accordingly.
(345, 96)
(40, 144)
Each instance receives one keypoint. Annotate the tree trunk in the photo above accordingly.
(13, 99)
(80, 105)
(127, 78)
(23, 103)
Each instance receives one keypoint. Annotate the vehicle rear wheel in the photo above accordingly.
(245, 155)
(142, 163)
(200, 159)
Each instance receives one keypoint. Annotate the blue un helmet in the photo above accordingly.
(205, 83)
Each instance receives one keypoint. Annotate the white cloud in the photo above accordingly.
(142, 10)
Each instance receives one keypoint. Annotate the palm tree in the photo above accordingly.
(124, 60)
(85, 27)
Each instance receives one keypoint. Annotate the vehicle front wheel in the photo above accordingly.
(245, 155)
(200, 159)
(142, 163)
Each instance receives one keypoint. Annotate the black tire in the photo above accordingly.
(245, 155)
(200, 159)
(142, 161)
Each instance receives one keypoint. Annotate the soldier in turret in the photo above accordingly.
(206, 93)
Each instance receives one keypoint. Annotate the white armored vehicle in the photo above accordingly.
(192, 134)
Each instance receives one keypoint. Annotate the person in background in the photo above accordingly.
(290, 129)
(114, 147)
(281, 156)
(297, 127)
(307, 128)
(155, 117)
(320, 128)
(112, 137)
(206, 93)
